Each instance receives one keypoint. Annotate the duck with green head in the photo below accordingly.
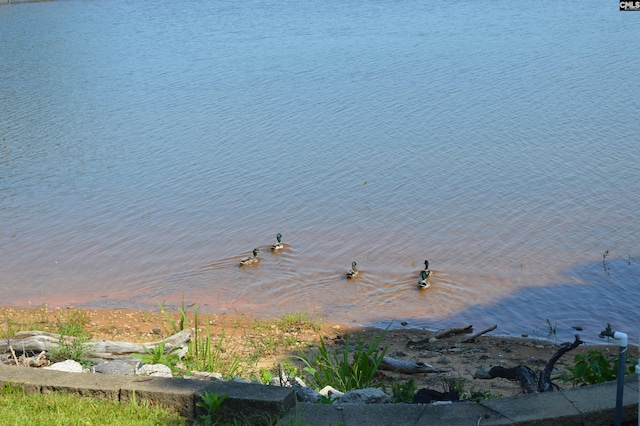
(424, 282)
(428, 271)
(278, 245)
(251, 260)
(353, 272)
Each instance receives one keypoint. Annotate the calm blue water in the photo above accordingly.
(145, 147)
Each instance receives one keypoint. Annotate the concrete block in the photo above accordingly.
(22, 376)
(382, 414)
(307, 413)
(252, 402)
(549, 408)
(47, 381)
(597, 402)
(460, 413)
(178, 395)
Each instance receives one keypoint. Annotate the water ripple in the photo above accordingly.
(144, 152)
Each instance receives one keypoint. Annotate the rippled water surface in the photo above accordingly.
(145, 147)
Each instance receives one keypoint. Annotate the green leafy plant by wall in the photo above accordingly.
(472, 394)
(595, 367)
(403, 392)
(335, 368)
(159, 355)
(209, 401)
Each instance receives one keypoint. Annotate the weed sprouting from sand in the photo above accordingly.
(335, 368)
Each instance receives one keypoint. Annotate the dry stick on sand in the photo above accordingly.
(445, 332)
(475, 336)
(408, 367)
(13, 353)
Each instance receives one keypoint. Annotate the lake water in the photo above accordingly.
(145, 147)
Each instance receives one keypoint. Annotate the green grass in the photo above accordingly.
(296, 321)
(18, 408)
(57, 409)
(53, 409)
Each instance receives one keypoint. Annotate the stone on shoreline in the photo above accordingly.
(115, 368)
(154, 370)
(69, 366)
(365, 396)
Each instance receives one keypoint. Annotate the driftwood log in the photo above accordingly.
(445, 332)
(530, 381)
(408, 367)
(32, 342)
(475, 336)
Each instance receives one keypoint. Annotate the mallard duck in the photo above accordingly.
(278, 245)
(353, 272)
(424, 282)
(251, 260)
(428, 271)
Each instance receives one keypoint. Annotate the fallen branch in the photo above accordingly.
(39, 341)
(109, 349)
(526, 376)
(545, 375)
(475, 336)
(30, 341)
(445, 332)
(407, 367)
(530, 381)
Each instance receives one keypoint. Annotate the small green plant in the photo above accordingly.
(326, 399)
(289, 369)
(404, 392)
(265, 376)
(472, 394)
(181, 324)
(595, 367)
(205, 354)
(334, 368)
(72, 344)
(70, 348)
(209, 401)
(159, 355)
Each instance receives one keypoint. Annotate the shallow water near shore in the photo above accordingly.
(144, 151)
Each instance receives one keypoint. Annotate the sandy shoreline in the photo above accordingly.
(243, 334)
